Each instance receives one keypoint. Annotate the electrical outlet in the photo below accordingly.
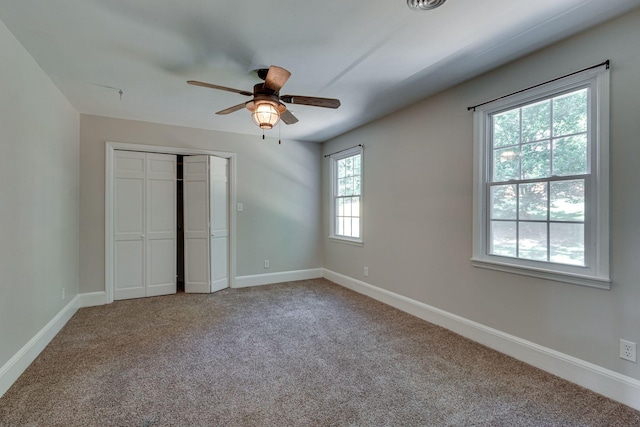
(366, 272)
(628, 350)
(266, 263)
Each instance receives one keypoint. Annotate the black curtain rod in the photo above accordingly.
(605, 63)
(327, 155)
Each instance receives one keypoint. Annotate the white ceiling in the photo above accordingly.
(375, 56)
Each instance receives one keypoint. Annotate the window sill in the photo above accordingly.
(346, 241)
(576, 279)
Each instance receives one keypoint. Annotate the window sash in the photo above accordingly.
(548, 219)
(550, 137)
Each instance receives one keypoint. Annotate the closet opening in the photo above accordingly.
(169, 226)
(180, 227)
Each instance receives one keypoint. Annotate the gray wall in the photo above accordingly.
(39, 188)
(418, 207)
(279, 186)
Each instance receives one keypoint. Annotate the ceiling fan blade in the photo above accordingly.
(212, 86)
(276, 78)
(288, 117)
(232, 109)
(310, 100)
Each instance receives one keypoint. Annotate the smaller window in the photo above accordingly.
(346, 195)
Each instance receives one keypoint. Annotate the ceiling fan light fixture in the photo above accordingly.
(266, 105)
(265, 115)
(417, 5)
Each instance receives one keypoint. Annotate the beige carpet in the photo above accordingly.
(301, 353)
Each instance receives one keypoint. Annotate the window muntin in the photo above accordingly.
(541, 181)
(347, 195)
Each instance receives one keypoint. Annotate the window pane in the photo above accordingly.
(567, 200)
(340, 226)
(506, 128)
(503, 238)
(570, 155)
(506, 165)
(342, 187)
(347, 226)
(341, 168)
(533, 201)
(536, 160)
(340, 206)
(503, 202)
(567, 243)
(355, 227)
(348, 186)
(536, 121)
(357, 164)
(355, 206)
(570, 113)
(532, 242)
(348, 166)
(356, 185)
(347, 206)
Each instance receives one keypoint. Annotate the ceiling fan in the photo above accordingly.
(266, 105)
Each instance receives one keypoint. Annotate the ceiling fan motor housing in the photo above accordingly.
(262, 94)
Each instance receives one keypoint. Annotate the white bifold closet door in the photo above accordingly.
(206, 223)
(144, 224)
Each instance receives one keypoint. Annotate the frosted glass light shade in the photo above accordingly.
(265, 115)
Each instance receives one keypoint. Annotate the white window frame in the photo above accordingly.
(595, 273)
(334, 158)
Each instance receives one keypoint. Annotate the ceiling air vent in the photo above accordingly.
(424, 4)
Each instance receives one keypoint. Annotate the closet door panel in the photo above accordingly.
(129, 225)
(219, 210)
(161, 224)
(196, 224)
(144, 224)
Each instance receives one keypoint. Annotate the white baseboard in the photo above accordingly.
(270, 278)
(20, 361)
(609, 383)
(91, 299)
